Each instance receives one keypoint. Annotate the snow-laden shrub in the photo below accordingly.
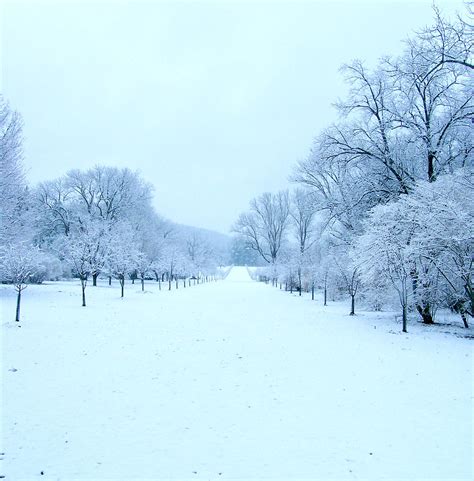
(50, 268)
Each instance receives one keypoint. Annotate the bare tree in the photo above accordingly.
(104, 194)
(18, 263)
(381, 252)
(124, 255)
(199, 253)
(361, 161)
(303, 212)
(350, 276)
(87, 250)
(56, 215)
(448, 42)
(108, 192)
(433, 106)
(368, 139)
(264, 226)
(12, 182)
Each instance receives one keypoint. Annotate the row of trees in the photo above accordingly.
(89, 223)
(385, 197)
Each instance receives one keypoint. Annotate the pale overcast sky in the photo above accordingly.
(213, 102)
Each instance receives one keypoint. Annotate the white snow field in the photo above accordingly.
(227, 380)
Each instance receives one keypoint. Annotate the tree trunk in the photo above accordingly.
(300, 287)
(159, 284)
(143, 284)
(425, 313)
(325, 288)
(431, 174)
(110, 280)
(423, 308)
(464, 319)
(94, 279)
(169, 284)
(83, 285)
(122, 283)
(352, 305)
(469, 290)
(404, 318)
(312, 291)
(18, 300)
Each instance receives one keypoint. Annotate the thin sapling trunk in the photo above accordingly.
(325, 289)
(122, 284)
(83, 286)
(19, 288)
(352, 313)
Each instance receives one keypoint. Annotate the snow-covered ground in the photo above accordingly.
(232, 379)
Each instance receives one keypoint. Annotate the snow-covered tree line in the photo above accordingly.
(384, 204)
(90, 223)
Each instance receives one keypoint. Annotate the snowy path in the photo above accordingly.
(226, 380)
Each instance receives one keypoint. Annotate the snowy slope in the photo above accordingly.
(226, 380)
(238, 274)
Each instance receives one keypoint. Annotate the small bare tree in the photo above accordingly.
(123, 255)
(351, 278)
(19, 262)
(86, 250)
